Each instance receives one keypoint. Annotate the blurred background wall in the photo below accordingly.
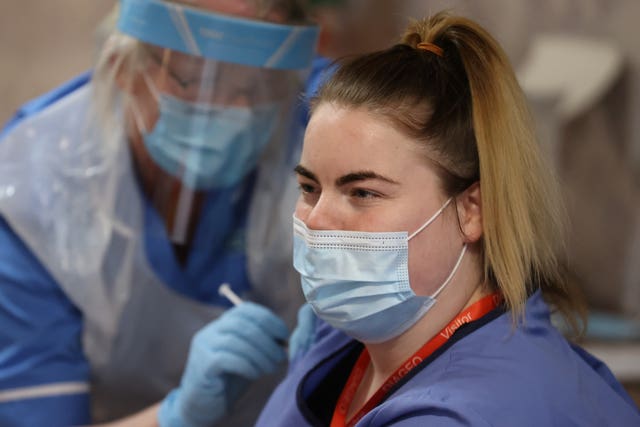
(43, 44)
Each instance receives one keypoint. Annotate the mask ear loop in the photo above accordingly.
(464, 248)
(155, 92)
(430, 220)
(453, 272)
(137, 115)
(135, 108)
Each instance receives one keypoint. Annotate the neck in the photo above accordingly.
(388, 356)
(167, 195)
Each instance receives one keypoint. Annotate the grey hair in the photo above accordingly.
(121, 57)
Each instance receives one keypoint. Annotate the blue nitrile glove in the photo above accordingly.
(225, 356)
(304, 333)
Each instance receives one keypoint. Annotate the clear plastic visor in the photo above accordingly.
(198, 80)
(202, 127)
(215, 93)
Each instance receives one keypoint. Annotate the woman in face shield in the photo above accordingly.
(128, 196)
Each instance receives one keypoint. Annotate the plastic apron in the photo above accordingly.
(73, 200)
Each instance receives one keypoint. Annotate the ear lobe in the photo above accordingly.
(469, 205)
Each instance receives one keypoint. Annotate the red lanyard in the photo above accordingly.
(471, 313)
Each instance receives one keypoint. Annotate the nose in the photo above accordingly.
(324, 215)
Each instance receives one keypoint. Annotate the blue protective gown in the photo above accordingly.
(46, 376)
(486, 375)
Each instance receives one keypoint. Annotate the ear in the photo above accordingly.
(469, 206)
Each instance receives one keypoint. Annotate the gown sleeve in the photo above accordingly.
(44, 375)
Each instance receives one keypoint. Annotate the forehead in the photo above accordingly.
(241, 8)
(340, 140)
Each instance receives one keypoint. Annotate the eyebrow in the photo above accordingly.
(177, 75)
(348, 178)
(301, 170)
(362, 176)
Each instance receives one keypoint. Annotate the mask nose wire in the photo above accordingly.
(430, 220)
(135, 108)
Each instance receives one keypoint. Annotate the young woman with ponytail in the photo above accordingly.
(428, 237)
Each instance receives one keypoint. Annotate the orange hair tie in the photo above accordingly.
(430, 47)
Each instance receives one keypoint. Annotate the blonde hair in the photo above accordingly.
(460, 99)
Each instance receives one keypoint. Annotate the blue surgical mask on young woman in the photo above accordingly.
(209, 146)
(358, 282)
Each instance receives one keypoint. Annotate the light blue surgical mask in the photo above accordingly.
(358, 282)
(209, 146)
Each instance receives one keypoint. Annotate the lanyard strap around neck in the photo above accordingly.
(471, 313)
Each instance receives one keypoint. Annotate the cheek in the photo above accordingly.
(143, 159)
(141, 111)
(302, 209)
(432, 255)
(150, 112)
(135, 136)
(144, 118)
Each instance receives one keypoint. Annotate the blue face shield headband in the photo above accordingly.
(220, 37)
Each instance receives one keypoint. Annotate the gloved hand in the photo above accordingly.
(304, 333)
(225, 356)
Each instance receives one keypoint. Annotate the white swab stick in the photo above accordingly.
(225, 291)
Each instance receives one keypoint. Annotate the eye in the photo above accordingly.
(309, 192)
(306, 188)
(361, 193)
(185, 79)
(184, 83)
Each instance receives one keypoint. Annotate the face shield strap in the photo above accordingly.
(220, 37)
